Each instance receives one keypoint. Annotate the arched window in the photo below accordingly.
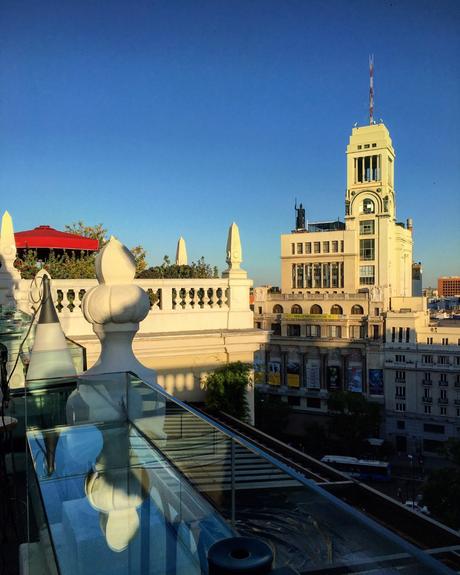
(296, 309)
(357, 310)
(316, 309)
(278, 309)
(368, 206)
(336, 310)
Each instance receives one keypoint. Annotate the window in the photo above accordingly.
(443, 410)
(308, 247)
(427, 376)
(445, 341)
(407, 334)
(293, 330)
(457, 360)
(336, 310)
(356, 331)
(429, 340)
(357, 310)
(400, 358)
(367, 146)
(400, 334)
(317, 275)
(317, 247)
(341, 245)
(296, 309)
(393, 334)
(400, 376)
(433, 428)
(400, 425)
(258, 325)
(366, 227)
(443, 394)
(427, 393)
(428, 409)
(443, 359)
(335, 247)
(316, 309)
(278, 308)
(313, 331)
(458, 412)
(276, 328)
(368, 206)
(325, 247)
(427, 359)
(366, 249)
(374, 145)
(260, 309)
(443, 378)
(335, 331)
(400, 406)
(400, 391)
(366, 275)
(376, 311)
(300, 248)
(293, 249)
(376, 333)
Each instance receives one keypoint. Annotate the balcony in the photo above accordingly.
(443, 401)
(427, 382)
(443, 383)
(456, 401)
(427, 399)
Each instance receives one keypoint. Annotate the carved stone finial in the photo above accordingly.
(115, 307)
(7, 241)
(234, 252)
(181, 253)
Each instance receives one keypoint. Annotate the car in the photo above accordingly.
(417, 507)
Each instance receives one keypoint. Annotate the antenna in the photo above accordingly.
(371, 89)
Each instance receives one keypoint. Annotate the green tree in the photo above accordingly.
(441, 494)
(226, 389)
(353, 419)
(96, 232)
(167, 270)
(271, 414)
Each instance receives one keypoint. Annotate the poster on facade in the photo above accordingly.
(293, 373)
(333, 378)
(274, 372)
(312, 373)
(259, 366)
(376, 381)
(355, 379)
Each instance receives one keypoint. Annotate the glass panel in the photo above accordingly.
(134, 481)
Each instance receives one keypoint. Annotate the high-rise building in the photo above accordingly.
(448, 286)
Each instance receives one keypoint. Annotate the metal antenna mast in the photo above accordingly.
(371, 89)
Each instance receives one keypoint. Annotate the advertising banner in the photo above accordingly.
(333, 378)
(312, 373)
(355, 379)
(293, 374)
(376, 381)
(274, 372)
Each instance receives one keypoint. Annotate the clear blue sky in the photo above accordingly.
(167, 118)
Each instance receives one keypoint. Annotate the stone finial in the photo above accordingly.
(234, 252)
(181, 253)
(7, 241)
(115, 307)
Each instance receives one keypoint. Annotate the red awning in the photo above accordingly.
(47, 237)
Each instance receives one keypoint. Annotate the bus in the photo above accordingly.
(364, 469)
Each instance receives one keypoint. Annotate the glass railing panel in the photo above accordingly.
(307, 527)
(114, 503)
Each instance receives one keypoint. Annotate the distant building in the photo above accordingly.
(448, 286)
(417, 288)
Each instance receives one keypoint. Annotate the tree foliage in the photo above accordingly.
(353, 419)
(271, 414)
(441, 494)
(226, 389)
(96, 232)
(166, 270)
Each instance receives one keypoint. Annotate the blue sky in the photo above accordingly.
(167, 118)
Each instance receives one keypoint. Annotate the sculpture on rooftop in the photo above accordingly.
(300, 217)
(9, 275)
(181, 253)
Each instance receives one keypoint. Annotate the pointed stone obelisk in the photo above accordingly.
(50, 355)
(9, 275)
(234, 254)
(181, 253)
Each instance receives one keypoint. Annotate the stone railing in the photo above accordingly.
(182, 304)
(317, 296)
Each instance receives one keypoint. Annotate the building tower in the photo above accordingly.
(383, 246)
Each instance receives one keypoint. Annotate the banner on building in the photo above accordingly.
(274, 372)
(355, 379)
(293, 374)
(333, 378)
(259, 370)
(312, 373)
(376, 381)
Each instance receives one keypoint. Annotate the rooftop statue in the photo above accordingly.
(300, 217)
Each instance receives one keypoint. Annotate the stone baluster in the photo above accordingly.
(115, 307)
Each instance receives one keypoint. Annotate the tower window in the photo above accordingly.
(368, 206)
(366, 275)
(367, 168)
(366, 227)
(366, 249)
